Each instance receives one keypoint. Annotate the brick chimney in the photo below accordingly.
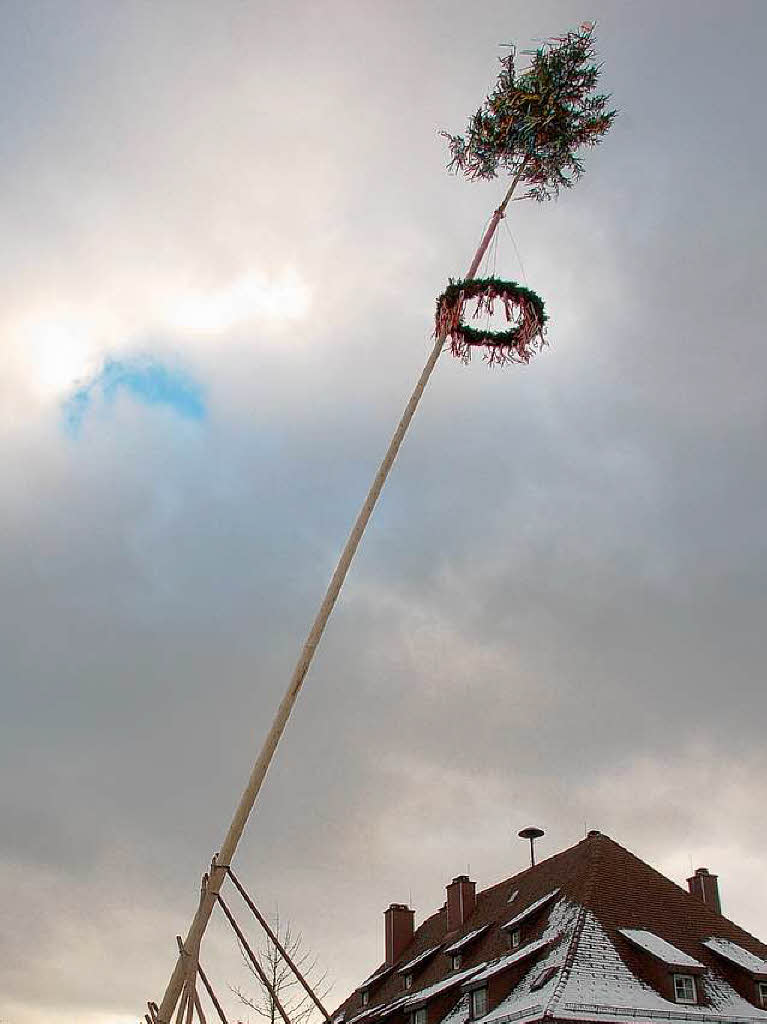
(705, 886)
(398, 924)
(461, 897)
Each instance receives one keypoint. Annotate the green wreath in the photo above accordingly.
(521, 305)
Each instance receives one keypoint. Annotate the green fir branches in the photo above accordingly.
(533, 124)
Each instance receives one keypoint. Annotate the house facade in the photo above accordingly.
(591, 934)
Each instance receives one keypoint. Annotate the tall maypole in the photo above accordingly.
(532, 127)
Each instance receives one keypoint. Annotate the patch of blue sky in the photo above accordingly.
(143, 379)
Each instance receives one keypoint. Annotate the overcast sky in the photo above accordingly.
(223, 229)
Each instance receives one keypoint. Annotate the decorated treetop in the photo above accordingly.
(534, 123)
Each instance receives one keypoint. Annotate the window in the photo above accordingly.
(684, 988)
(365, 996)
(763, 994)
(420, 1016)
(478, 1003)
(455, 962)
(516, 938)
(408, 979)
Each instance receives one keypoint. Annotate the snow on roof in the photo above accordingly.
(737, 955)
(599, 977)
(526, 1001)
(437, 987)
(421, 958)
(460, 943)
(601, 985)
(502, 963)
(531, 909)
(727, 1002)
(659, 948)
(378, 975)
(412, 998)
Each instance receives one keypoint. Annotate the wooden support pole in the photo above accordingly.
(261, 766)
(254, 961)
(182, 1003)
(281, 949)
(190, 1002)
(198, 1006)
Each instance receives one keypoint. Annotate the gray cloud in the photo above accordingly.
(557, 613)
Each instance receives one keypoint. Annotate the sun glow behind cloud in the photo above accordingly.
(49, 351)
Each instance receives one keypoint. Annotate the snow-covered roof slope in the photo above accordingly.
(376, 976)
(659, 948)
(459, 944)
(599, 977)
(440, 986)
(504, 962)
(530, 910)
(411, 999)
(527, 1002)
(411, 965)
(737, 955)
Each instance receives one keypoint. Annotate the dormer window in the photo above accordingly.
(685, 989)
(762, 994)
(516, 938)
(455, 962)
(478, 1003)
(408, 980)
(365, 996)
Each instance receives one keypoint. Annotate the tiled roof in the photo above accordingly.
(581, 911)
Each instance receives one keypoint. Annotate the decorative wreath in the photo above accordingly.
(522, 306)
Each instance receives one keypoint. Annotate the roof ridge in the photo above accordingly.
(568, 851)
(572, 947)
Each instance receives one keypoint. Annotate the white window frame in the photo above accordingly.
(481, 1011)
(455, 962)
(761, 990)
(408, 980)
(680, 981)
(365, 996)
(420, 1016)
(516, 938)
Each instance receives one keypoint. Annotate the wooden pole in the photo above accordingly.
(280, 948)
(183, 1002)
(198, 1007)
(260, 768)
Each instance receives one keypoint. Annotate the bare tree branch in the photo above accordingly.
(295, 1000)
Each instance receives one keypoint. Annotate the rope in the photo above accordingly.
(211, 993)
(516, 250)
